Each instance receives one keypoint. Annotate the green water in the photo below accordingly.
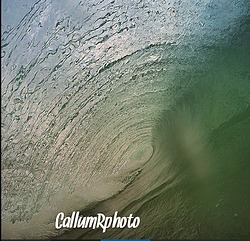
(139, 107)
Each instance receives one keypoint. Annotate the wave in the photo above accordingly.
(136, 107)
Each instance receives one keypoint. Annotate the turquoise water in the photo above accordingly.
(139, 107)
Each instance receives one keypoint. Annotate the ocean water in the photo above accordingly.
(139, 107)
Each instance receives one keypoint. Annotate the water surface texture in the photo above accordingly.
(137, 106)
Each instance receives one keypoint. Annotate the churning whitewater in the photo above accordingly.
(136, 107)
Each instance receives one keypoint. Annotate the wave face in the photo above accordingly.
(139, 107)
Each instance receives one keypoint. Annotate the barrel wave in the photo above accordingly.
(138, 107)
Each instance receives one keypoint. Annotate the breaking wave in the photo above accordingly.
(139, 107)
